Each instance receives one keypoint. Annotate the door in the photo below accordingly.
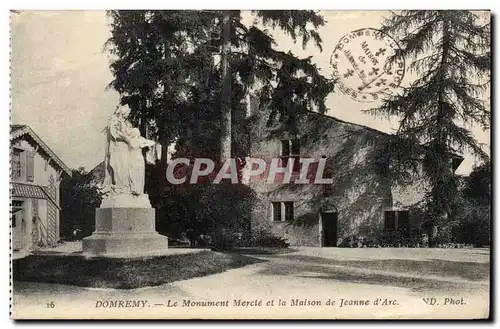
(18, 225)
(329, 220)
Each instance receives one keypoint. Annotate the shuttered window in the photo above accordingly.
(397, 220)
(290, 149)
(282, 211)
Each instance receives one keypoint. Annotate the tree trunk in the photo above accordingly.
(441, 142)
(225, 137)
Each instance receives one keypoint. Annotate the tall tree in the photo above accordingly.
(450, 54)
(175, 67)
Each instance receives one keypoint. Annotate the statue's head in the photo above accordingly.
(122, 111)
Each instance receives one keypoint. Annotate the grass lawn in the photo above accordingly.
(123, 273)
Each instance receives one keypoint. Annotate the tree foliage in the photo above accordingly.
(167, 68)
(79, 199)
(478, 184)
(450, 54)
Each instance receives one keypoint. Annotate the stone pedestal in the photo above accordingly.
(122, 230)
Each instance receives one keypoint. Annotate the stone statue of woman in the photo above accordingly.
(124, 163)
(116, 160)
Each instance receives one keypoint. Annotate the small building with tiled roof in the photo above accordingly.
(36, 172)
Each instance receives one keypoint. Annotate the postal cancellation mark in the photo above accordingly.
(361, 65)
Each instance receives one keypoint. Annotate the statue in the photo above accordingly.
(123, 161)
(125, 221)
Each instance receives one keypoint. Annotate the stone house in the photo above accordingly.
(36, 172)
(361, 203)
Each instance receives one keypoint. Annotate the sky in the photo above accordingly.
(60, 71)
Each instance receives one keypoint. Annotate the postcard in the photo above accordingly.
(264, 164)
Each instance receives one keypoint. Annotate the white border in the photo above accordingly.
(129, 4)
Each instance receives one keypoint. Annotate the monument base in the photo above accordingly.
(124, 231)
(126, 201)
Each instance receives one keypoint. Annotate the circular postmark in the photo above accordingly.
(361, 65)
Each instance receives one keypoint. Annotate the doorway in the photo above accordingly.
(18, 225)
(329, 222)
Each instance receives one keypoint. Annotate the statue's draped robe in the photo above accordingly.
(137, 165)
(116, 161)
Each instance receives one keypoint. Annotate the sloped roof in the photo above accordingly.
(457, 158)
(18, 131)
(32, 191)
(326, 116)
(13, 128)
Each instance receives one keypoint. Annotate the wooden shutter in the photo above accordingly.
(285, 148)
(295, 153)
(276, 211)
(288, 211)
(30, 166)
(390, 220)
(295, 147)
(403, 221)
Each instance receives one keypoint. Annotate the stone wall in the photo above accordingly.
(358, 194)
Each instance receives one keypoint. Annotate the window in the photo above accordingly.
(282, 211)
(397, 220)
(16, 164)
(290, 149)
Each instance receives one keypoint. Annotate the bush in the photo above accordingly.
(208, 215)
(229, 240)
(79, 200)
(394, 239)
(351, 241)
(264, 238)
(382, 239)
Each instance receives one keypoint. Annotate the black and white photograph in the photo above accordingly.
(250, 164)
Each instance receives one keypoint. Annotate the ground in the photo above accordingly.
(413, 283)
